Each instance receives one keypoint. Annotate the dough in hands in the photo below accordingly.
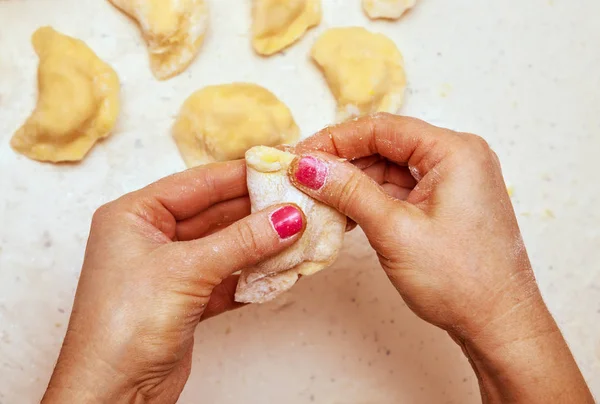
(268, 185)
(78, 100)
(220, 123)
(173, 29)
(365, 71)
(388, 9)
(276, 24)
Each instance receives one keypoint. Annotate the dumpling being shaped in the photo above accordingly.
(174, 30)
(219, 123)
(387, 9)
(317, 249)
(276, 24)
(78, 100)
(364, 70)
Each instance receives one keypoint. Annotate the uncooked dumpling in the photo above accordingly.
(388, 9)
(78, 100)
(277, 24)
(173, 29)
(220, 123)
(268, 185)
(365, 71)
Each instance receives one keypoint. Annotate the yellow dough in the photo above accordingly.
(78, 100)
(388, 9)
(173, 29)
(279, 23)
(365, 71)
(268, 185)
(221, 122)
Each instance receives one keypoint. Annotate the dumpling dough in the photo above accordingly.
(365, 71)
(268, 185)
(173, 29)
(279, 23)
(220, 123)
(389, 9)
(78, 100)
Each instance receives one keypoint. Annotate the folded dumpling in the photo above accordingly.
(268, 185)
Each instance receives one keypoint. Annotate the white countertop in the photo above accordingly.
(523, 74)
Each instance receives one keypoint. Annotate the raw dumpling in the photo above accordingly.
(78, 100)
(173, 29)
(268, 185)
(389, 9)
(279, 23)
(365, 71)
(220, 123)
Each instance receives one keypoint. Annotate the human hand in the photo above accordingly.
(155, 265)
(453, 247)
(445, 232)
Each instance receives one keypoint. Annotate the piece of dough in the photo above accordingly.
(365, 71)
(268, 185)
(276, 24)
(173, 29)
(220, 123)
(78, 100)
(388, 9)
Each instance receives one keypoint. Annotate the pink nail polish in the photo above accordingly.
(311, 172)
(287, 221)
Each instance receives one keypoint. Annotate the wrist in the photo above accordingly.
(80, 375)
(521, 356)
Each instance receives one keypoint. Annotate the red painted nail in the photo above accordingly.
(287, 221)
(311, 172)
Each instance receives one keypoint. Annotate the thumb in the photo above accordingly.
(245, 243)
(343, 186)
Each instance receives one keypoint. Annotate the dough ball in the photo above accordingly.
(220, 123)
(268, 185)
(277, 24)
(365, 71)
(173, 29)
(388, 9)
(78, 100)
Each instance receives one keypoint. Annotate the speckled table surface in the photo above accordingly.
(522, 74)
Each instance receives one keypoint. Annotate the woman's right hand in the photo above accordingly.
(446, 234)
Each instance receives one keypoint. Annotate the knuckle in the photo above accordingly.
(476, 141)
(476, 150)
(102, 213)
(249, 241)
(349, 193)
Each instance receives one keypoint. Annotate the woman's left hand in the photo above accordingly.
(158, 261)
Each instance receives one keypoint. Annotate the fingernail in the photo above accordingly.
(287, 221)
(311, 172)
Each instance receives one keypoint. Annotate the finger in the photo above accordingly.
(387, 172)
(243, 244)
(376, 171)
(366, 162)
(400, 139)
(222, 298)
(213, 218)
(395, 191)
(400, 176)
(345, 188)
(190, 192)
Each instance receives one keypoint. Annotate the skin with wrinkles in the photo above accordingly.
(449, 243)
(78, 100)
